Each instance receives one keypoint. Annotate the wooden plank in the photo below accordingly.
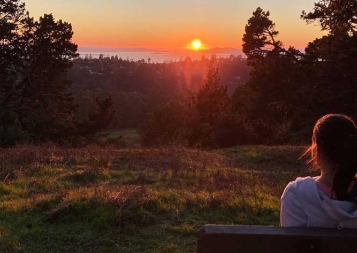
(229, 239)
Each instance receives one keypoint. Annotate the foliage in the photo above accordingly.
(34, 83)
(289, 90)
(204, 102)
(196, 121)
(168, 123)
(10, 129)
(212, 105)
(141, 87)
(260, 34)
(212, 99)
(269, 104)
(332, 57)
(99, 118)
(335, 16)
(12, 18)
(260, 38)
(334, 77)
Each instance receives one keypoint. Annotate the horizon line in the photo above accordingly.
(148, 49)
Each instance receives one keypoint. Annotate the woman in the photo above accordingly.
(329, 200)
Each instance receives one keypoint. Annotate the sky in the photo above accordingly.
(173, 24)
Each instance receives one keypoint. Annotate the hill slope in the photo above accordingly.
(104, 199)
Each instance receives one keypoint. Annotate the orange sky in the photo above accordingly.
(173, 24)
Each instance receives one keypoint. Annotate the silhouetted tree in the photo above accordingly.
(169, 123)
(99, 118)
(335, 16)
(333, 57)
(36, 56)
(13, 19)
(270, 100)
(212, 106)
(212, 99)
(260, 38)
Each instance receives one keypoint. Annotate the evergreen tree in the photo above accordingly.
(212, 99)
(99, 118)
(169, 123)
(212, 106)
(34, 58)
(333, 57)
(335, 16)
(271, 100)
(260, 39)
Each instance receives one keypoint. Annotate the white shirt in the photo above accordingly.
(304, 205)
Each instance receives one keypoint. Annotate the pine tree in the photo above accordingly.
(34, 59)
(335, 16)
(212, 98)
(99, 118)
(212, 106)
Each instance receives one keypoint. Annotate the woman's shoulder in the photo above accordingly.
(300, 184)
(300, 181)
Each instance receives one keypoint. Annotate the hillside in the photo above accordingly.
(105, 199)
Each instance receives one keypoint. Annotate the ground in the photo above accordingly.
(132, 199)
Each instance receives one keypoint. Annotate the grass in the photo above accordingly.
(122, 138)
(108, 199)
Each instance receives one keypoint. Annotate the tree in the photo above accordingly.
(212, 106)
(270, 100)
(260, 38)
(13, 21)
(169, 123)
(212, 99)
(12, 15)
(333, 56)
(334, 78)
(335, 16)
(36, 56)
(99, 118)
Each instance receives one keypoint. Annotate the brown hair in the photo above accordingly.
(335, 138)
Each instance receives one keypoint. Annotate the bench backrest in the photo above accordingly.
(234, 239)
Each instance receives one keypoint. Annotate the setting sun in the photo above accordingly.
(196, 44)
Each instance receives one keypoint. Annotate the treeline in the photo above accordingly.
(273, 96)
(35, 102)
(48, 93)
(287, 90)
(196, 119)
(138, 87)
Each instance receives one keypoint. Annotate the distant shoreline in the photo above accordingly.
(159, 56)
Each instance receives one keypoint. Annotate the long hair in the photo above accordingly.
(335, 139)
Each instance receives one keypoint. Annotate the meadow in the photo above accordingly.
(134, 199)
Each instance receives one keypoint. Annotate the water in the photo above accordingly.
(156, 56)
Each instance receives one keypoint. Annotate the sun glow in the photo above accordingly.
(196, 44)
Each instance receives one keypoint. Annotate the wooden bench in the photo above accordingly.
(254, 239)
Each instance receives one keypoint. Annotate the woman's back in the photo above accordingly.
(304, 205)
(329, 200)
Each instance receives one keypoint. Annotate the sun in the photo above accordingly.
(196, 44)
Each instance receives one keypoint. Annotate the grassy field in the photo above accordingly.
(108, 199)
(122, 137)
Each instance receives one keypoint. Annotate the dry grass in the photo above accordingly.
(133, 199)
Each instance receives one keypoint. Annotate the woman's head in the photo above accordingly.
(334, 148)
